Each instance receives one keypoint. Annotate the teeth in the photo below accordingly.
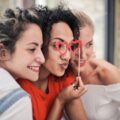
(34, 68)
(30, 67)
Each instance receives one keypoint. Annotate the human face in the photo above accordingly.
(55, 62)
(86, 52)
(25, 61)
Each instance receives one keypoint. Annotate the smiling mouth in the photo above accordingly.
(34, 68)
(82, 63)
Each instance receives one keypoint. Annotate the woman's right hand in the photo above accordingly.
(73, 91)
(105, 72)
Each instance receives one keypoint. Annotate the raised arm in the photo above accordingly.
(69, 99)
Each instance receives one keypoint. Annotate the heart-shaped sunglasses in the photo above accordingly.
(73, 46)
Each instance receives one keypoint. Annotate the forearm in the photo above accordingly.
(75, 110)
(55, 111)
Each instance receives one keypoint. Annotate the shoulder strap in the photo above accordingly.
(7, 101)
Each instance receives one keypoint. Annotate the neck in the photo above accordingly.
(43, 74)
(42, 82)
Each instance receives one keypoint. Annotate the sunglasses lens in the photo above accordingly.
(62, 47)
(74, 46)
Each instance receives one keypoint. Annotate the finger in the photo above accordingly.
(80, 91)
(75, 84)
(80, 81)
(84, 91)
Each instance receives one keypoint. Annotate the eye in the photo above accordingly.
(88, 45)
(32, 49)
(61, 46)
(54, 45)
(58, 44)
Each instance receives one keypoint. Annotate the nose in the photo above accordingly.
(40, 57)
(67, 55)
(83, 53)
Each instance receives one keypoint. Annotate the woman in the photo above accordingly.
(60, 30)
(20, 57)
(102, 100)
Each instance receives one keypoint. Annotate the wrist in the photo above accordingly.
(60, 101)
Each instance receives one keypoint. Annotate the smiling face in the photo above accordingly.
(56, 63)
(86, 35)
(25, 61)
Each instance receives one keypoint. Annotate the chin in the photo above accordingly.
(59, 74)
(82, 69)
(32, 78)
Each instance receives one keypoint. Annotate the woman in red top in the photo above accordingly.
(52, 93)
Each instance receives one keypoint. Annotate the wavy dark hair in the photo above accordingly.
(14, 22)
(57, 15)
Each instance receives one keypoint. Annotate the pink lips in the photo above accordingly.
(64, 65)
(82, 63)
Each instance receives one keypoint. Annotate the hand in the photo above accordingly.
(73, 91)
(105, 72)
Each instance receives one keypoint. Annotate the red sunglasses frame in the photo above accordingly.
(68, 45)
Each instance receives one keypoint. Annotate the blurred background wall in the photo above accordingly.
(104, 13)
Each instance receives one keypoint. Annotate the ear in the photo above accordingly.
(4, 53)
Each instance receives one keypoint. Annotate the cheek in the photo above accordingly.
(53, 54)
(52, 57)
(89, 52)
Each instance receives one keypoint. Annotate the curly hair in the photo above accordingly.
(57, 15)
(13, 23)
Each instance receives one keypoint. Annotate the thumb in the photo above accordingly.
(78, 82)
(75, 84)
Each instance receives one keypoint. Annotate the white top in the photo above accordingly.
(102, 102)
(22, 108)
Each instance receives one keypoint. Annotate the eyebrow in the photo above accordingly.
(91, 40)
(59, 39)
(36, 44)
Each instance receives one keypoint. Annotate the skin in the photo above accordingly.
(92, 70)
(86, 35)
(25, 61)
(102, 73)
(69, 98)
(86, 54)
(56, 64)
